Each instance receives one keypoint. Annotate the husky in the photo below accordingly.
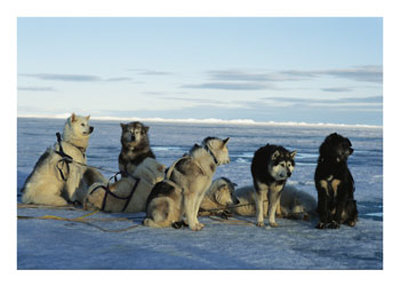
(135, 146)
(186, 183)
(335, 184)
(54, 180)
(91, 176)
(295, 203)
(218, 198)
(271, 166)
(130, 193)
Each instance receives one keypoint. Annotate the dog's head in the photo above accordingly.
(218, 149)
(223, 191)
(281, 164)
(78, 126)
(335, 148)
(133, 134)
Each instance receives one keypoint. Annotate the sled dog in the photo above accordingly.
(295, 203)
(187, 181)
(218, 198)
(135, 146)
(271, 166)
(335, 184)
(91, 176)
(54, 181)
(130, 193)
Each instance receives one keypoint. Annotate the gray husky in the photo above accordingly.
(55, 181)
(186, 183)
(135, 146)
(218, 198)
(271, 166)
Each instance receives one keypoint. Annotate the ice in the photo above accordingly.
(50, 244)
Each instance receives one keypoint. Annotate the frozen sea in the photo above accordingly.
(50, 244)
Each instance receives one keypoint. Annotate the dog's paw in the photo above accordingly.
(226, 214)
(351, 223)
(334, 225)
(260, 224)
(178, 225)
(274, 224)
(321, 225)
(197, 227)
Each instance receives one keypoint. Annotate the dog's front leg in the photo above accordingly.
(190, 211)
(323, 211)
(274, 198)
(261, 197)
(340, 198)
(198, 201)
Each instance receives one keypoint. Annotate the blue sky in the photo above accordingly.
(265, 69)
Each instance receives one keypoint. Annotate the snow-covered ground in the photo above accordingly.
(44, 244)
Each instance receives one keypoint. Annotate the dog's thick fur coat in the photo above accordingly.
(135, 146)
(45, 185)
(218, 198)
(271, 166)
(145, 176)
(294, 203)
(335, 184)
(186, 183)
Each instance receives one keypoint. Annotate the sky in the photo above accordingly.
(313, 70)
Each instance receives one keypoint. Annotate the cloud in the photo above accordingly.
(64, 77)
(150, 72)
(238, 75)
(229, 86)
(74, 77)
(37, 89)
(118, 79)
(337, 89)
(361, 73)
(367, 73)
(355, 102)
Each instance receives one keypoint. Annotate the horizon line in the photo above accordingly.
(206, 121)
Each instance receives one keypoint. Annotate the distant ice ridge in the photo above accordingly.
(207, 121)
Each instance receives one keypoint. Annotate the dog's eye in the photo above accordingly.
(82, 124)
(282, 164)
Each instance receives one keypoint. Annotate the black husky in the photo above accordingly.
(335, 184)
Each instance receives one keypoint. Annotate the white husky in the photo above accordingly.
(54, 181)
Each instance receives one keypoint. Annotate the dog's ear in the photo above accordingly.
(87, 117)
(275, 155)
(323, 148)
(73, 117)
(222, 186)
(146, 129)
(293, 154)
(123, 125)
(225, 141)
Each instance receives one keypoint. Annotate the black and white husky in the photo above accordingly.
(135, 146)
(271, 166)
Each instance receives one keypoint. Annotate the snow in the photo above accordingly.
(51, 244)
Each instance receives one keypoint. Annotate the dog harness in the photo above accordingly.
(109, 192)
(208, 149)
(65, 159)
